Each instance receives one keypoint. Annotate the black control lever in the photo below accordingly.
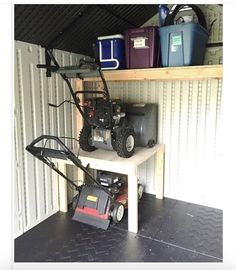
(56, 106)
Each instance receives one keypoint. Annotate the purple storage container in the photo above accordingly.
(142, 47)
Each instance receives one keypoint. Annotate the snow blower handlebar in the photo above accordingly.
(55, 68)
(43, 154)
(93, 65)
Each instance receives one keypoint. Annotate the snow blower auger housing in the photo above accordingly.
(97, 203)
(106, 122)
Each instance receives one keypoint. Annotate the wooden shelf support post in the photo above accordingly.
(160, 172)
(79, 125)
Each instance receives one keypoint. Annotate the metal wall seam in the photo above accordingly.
(218, 116)
(44, 128)
(18, 229)
(51, 131)
(34, 133)
(18, 104)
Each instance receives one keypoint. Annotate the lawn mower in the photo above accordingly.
(108, 124)
(97, 201)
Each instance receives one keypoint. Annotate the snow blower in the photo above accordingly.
(108, 123)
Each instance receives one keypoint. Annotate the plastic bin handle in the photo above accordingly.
(201, 18)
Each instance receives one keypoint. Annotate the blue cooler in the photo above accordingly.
(111, 52)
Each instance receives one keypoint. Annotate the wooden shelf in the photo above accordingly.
(173, 73)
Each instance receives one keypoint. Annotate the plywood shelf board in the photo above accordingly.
(172, 73)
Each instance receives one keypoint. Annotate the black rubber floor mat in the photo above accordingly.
(120, 247)
(187, 225)
(195, 227)
(169, 231)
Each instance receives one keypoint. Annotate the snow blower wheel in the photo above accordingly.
(85, 139)
(125, 143)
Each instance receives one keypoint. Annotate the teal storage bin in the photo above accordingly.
(183, 44)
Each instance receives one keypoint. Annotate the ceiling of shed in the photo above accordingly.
(74, 28)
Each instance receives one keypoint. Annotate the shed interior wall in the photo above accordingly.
(36, 185)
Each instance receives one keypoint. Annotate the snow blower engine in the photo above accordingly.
(107, 128)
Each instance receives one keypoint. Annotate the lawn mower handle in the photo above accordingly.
(41, 153)
(48, 137)
(68, 154)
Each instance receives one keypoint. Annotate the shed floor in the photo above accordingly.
(169, 231)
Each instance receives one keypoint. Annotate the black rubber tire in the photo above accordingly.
(121, 142)
(85, 135)
(115, 213)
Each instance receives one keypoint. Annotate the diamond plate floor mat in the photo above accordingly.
(169, 231)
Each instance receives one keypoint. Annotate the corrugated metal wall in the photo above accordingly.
(36, 186)
(189, 114)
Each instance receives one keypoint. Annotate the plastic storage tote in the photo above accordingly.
(183, 44)
(142, 47)
(111, 52)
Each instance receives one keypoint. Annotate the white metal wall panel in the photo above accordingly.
(36, 186)
(189, 114)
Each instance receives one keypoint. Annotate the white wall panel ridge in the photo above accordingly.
(35, 185)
